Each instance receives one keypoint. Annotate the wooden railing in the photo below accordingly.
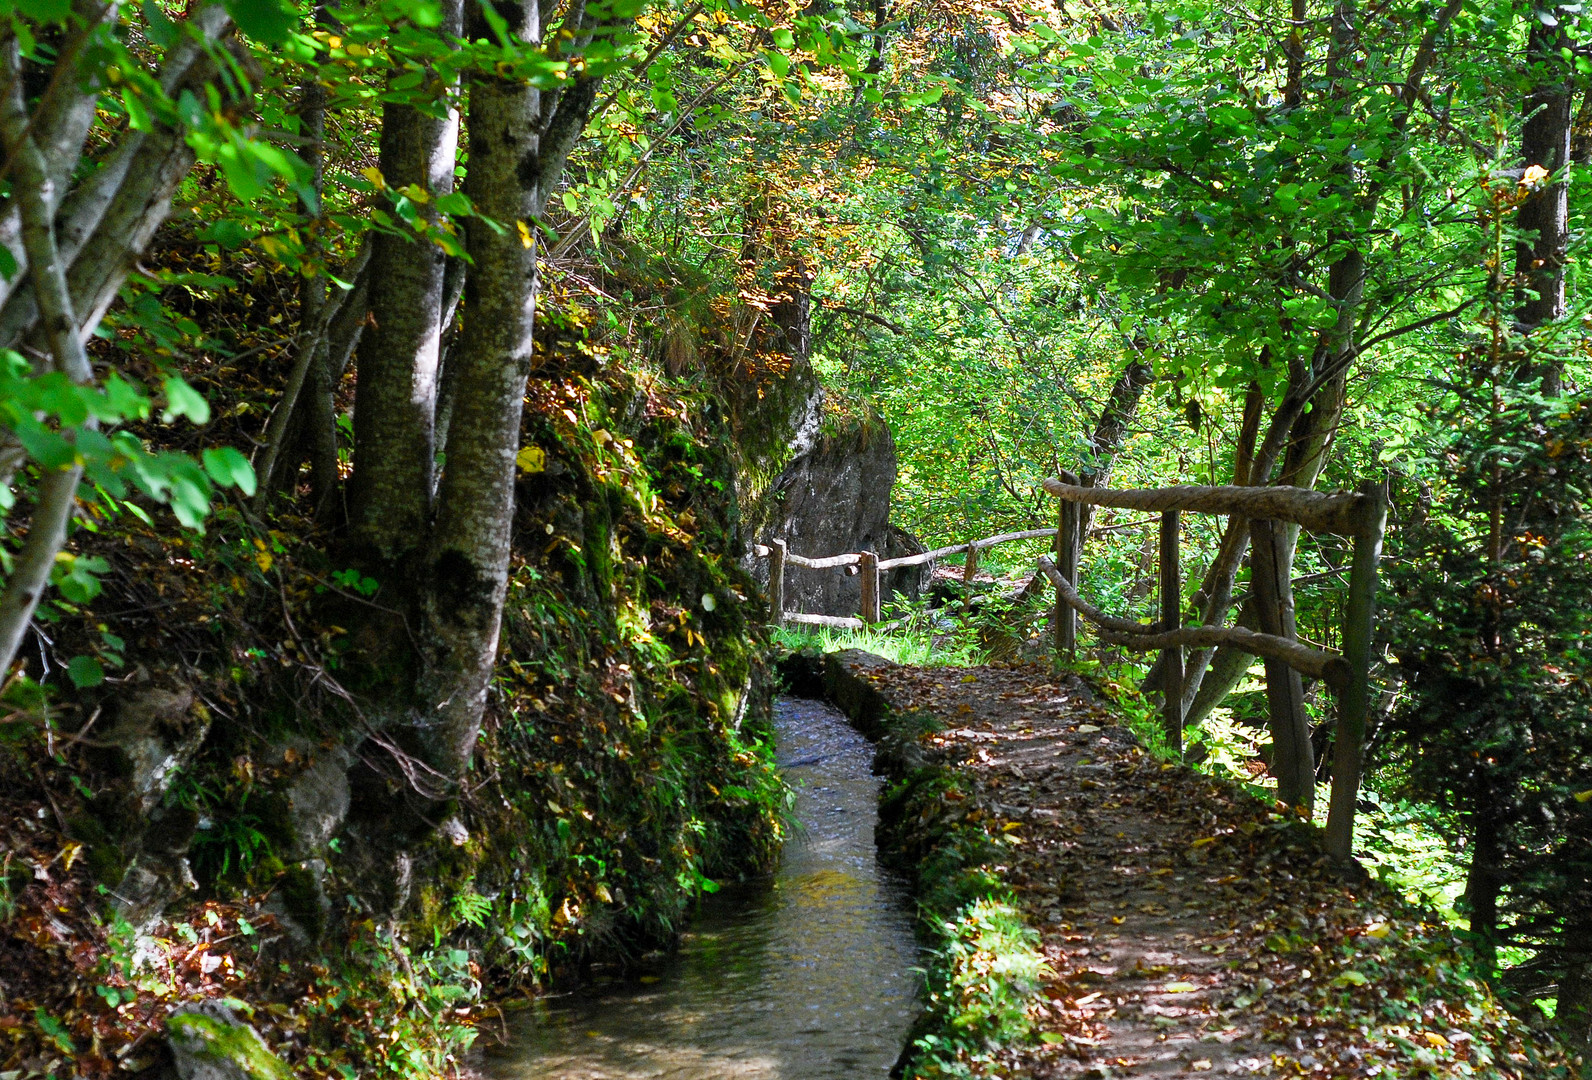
(871, 568)
(1361, 515)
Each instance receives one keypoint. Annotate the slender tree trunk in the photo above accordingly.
(1573, 1013)
(1544, 218)
(57, 491)
(1482, 886)
(60, 125)
(107, 222)
(518, 145)
(286, 419)
(390, 492)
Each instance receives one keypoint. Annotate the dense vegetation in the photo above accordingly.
(387, 388)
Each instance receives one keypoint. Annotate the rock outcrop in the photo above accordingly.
(834, 499)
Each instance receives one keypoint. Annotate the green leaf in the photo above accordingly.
(184, 400)
(267, 21)
(85, 671)
(158, 28)
(45, 11)
(228, 468)
(227, 233)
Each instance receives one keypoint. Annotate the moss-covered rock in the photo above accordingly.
(209, 1042)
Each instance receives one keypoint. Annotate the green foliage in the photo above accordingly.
(985, 961)
(231, 840)
(1492, 634)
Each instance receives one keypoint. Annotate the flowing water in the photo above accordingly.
(810, 977)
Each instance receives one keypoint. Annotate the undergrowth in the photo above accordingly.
(984, 960)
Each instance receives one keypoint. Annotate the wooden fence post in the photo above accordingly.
(869, 570)
(1171, 619)
(776, 582)
(1293, 762)
(1068, 541)
(1359, 619)
(969, 571)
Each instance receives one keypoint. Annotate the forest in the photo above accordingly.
(416, 415)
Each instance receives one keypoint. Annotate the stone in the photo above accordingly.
(152, 881)
(832, 500)
(315, 800)
(156, 732)
(209, 1042)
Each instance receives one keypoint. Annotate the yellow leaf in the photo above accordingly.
(374, 175)
(531, 459)
(1583, 796)
(1435, 1039)
(1010, 825)
(262, 559)
(1202, 841)
(1378, 931)
(1179, 987)
(604, 895)
(525, 234)
(969, 678)
(415, 194)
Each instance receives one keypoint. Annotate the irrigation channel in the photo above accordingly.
(808, 977)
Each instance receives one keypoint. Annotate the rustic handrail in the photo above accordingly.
(870, 567)
(1361, 515)
(958, 549)
(1344, 513)
(763, 551)
(1317, 663)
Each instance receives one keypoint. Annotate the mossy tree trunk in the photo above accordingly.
(439, 540)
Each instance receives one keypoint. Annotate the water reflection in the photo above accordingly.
(805, 979)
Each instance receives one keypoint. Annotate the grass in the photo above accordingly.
(915, 644)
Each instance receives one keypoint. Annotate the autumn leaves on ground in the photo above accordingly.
(1186, 927)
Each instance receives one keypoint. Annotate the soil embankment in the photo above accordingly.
(1185, 927)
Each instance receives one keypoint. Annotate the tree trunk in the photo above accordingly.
(57, 490)
(1482, 886)
(1544, 218)
(514, 167)
(1111, 428)
(107, 222)
(1573, 1013)
(394, 410)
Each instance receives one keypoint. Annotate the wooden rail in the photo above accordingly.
(1361, 515)
(871, 568)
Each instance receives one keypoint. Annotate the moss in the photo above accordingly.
(217, 1041)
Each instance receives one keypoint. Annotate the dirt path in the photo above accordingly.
(1191, 929)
